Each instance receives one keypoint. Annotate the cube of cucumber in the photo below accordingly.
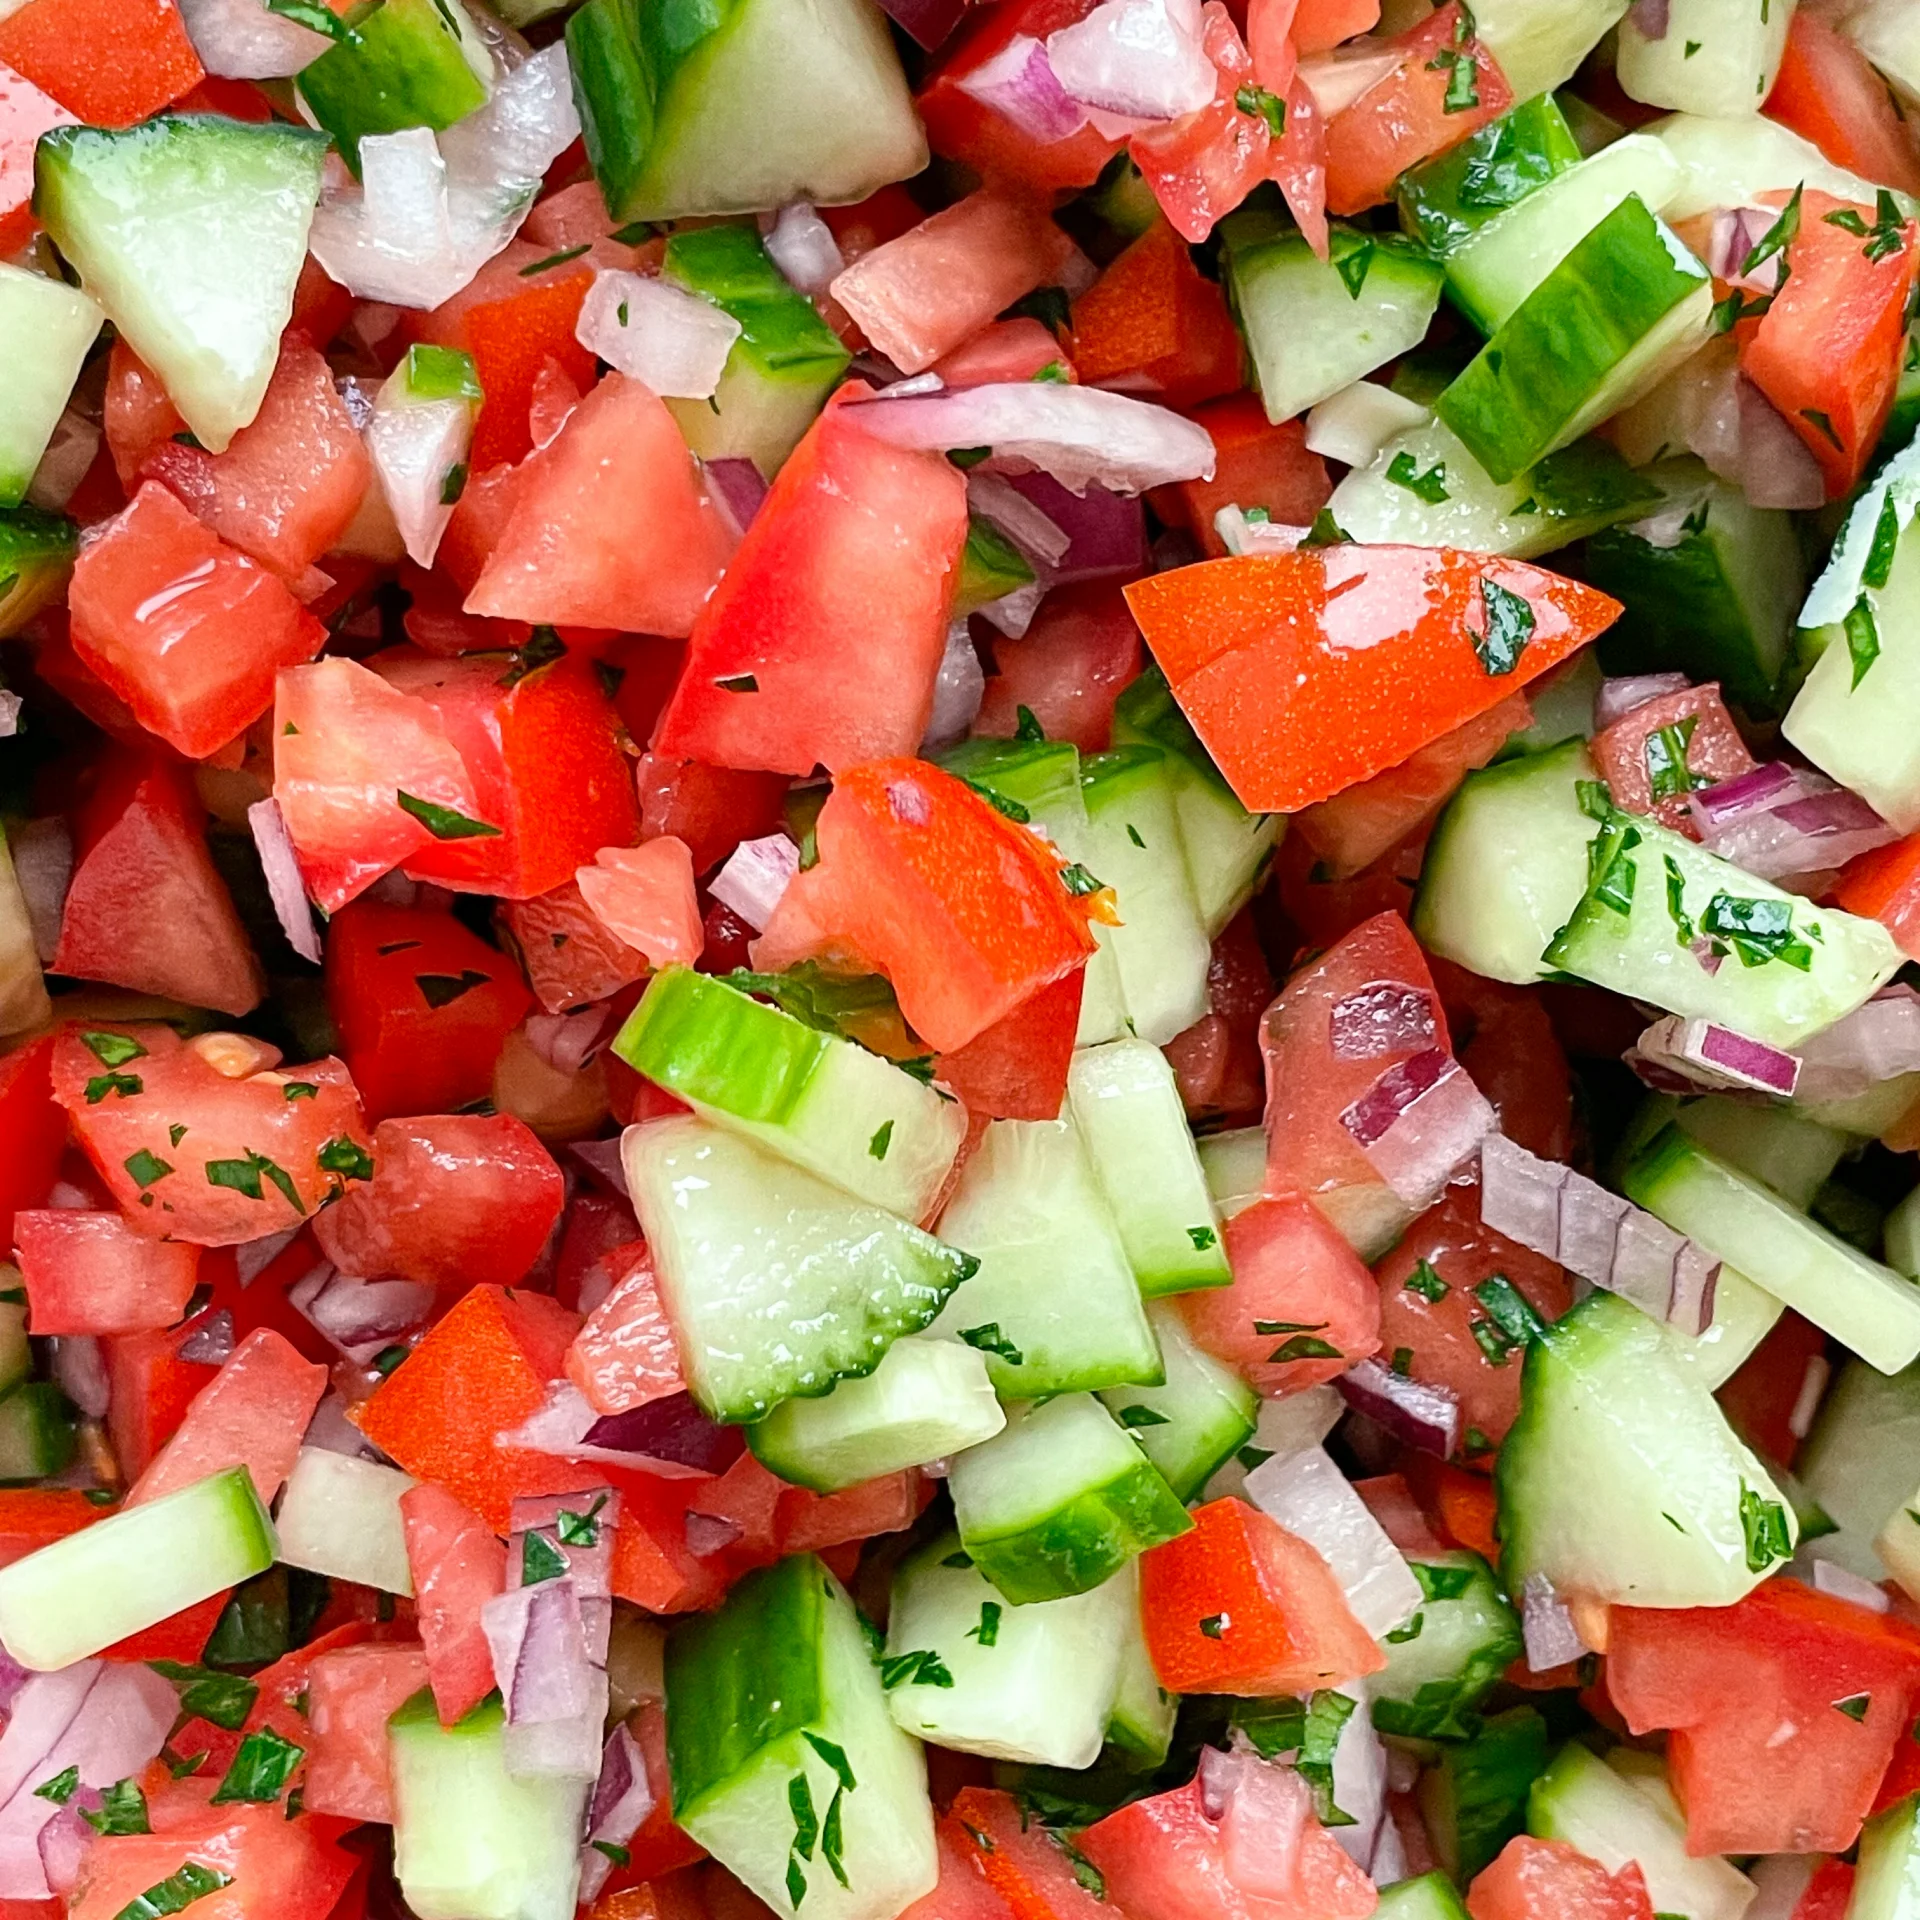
(1886, 1884)
(404, 63)
(37, 552)
(341, 1516)
(1198, 1419)
(1140, 1727)
(1717, 57)
(1446, 201)
(46, 328)
(1428, 1897)
(786, 1763)
(1862, 1460)
(1539, 48)
(1444, 1661)
(37, 1432)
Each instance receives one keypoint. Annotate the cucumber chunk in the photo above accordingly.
(1621, 1480)
(1779, 1146)
(1061, 1501)
(1033, 1683)
(1444, 1661)
(1886, 1885)
(1127, 1107)
(1508, 864)
(1235, 1163)
(1868, 1308)
(1538, 48)
(1862, 1460)
(1743, 1316)
(37, 1432)
(37, 552)
(1783, 968)
(786, 1762)
(471, 1842)
(46, 328)
(1313, 326)
(1430, 1897)
(1446, 201)
(190, 231)
(1716, 57)
(927, 1399)
(16, 1355)
(777, 1284)
(1474, 1797)
(820, 1101)
(1619, 312)
(133, 1569)
(341, 1516)
(1194, 1423)
(1140, 1727)
(740, 106)
(404, 63)
(1054, 1305)
(1731, 161)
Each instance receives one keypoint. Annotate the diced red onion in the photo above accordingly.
(802, 246)
(1335, 80)
(1106, 532)
(1716, 1059)
(1141, 59)
(66, 1840)
(1876, 1042)
(657, 333)
(1080, 435)
(755, 875)
(285, 887)
(210, 1344)
(1776, 469)
(69, 456)
(362, 1316)
(10, 705)
(332, 1432)
(1426, 1418)
(602, 1159)
(1781, 1880)
(1359, 1783)
(241, 40)
(1785, 823)
(1737, 232)
(930, 22)
(1759, 790)
(622, 1803)
(1552, 1638)
(1830, 1577)
(1019, 84)
(252, 1257)
(958, 690)
(671, 1429)
(1620, 694)
(13, 1676)
(1418, 1122)
(1012, 614)
(1806, 1403)
(1240, 535)
(570, 1041)
(1384, 1016)
(80, 1369)
(589, 1562)
(538, 1640)
(1030, 529)
(739, 488)
(1649, 18)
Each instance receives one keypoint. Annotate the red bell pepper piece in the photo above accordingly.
(422, 1006)
(90, 1273)
(1239, 1605)
(35, 1517)
(855, 536)
(1321, 25)
(33, 1130)
(1551, 1880)
(1153, 323)
(25, 114)
(458, 1565)
(964, 911)
(1306, 672)
(1884, 885)
(1828, 92)
(110, 63)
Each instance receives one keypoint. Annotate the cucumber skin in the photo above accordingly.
(379, 82)
(1509, 159)
(1430, 1897)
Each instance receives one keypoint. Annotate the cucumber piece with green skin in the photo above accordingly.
(1508, 864)
(1195, 1422)
(1708, 584)
(1539, 48)
(1134, 846)
(1717, 57)
(1779, 1146)
(927, 1399)
(820, 1101)
(1061, 1501)
(1621, 1480)
(1445, 202)
(1227, 847)
(1126, 1105)
(1581, 1800)
(1901, 1238)
(991, 566)
(1430, 1897)
(1490, 275)
(1868, 1308)
(471, 1842)
(1140, 1727)
(740, 105)
(1313, 326)
(1861, 1461)
(782, 367)
(1053, 1305)
(46, 328)
(1444, 1661)
(1784, 968)
(403, 63)
(1474, 1796)
(37, 552)
(1424, 489)
(133, 1569)
(191, 232)
(777, 1283)
(1034, 1683)
(1886, 1883)
(786, 1763)
(1626, 306)
(37, 1432)
(1743, 1316)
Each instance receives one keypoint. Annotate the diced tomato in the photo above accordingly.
(1154, 324)
(1514, 1057)
(138, 417)
(512, 323)
(456, 1200)
(1256, 464)
(457, 1565)
(353, 1692)
(1067, 670)
(1431, 1316)
(35, 1517)
(193, 1154)
(612, 524)
(253, 1413)
(1298, 165)
(479, 1371)
(1217, 1060)
(817, 1523)
(962, 909)
(146, 908)
(1462, 1504)
(1763, 1398)
(711, 808)
(625, 1354)
(922, 295)
(1884, 885)
(1024, 1861)
(1308, 671)
(1017, 1068)
(288, 486)
(571, 956)
(1828, 92)
(1828, 351)
(185, 629)
(1550, 1880)
(149, 1389)
(1164, 1858)
(542, 749)
(25, 114)
(108, 62)
(653, 1566)
(1321, 25)
(1007, 350)
(1406, 118)
(1301, 1308)
(1653, 757)
(1829, 1893)
(422, 1007)
(33, 1130)
(274, 1868)
(855, 536)
(1783, 1710)
(645, 897)
(91, 1273)
(963, 1892)
(1239, 1605)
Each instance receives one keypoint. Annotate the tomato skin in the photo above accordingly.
(457, 1565)
(1017, 1068)
(962, 909)
(1067, 670)
(1727, 1680)
(1005, 350)
(184, 628)
(108, 64)
(962, 1892)
(1828, 1893)
(90, 1273)
(1153, 323)
(1020, 1860)
(408, 1055)
(456, 1200)
(353, 1692)
(33, 1130)
(1761, 1397)
(1550, 1880)
(1256, 464)
(150, 1389)
(854, 536)
(1828, 92)
(25, 114)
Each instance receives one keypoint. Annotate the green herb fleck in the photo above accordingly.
(146, 1167)
(540, 1560)
(346, 1157)
(1264, 106)
(1404, 471)
(113, 1049)
(123, 1808)
(103, 1084)
(923, 1668)
(988, 1631)
(1863, 637)
(220, 1699)
(1214, 1625)
(443, 822)
(175, 1893)
(1764, 1524)
(882, 1139)
(1426, 1282)
(61, 1788)
(1138, 1416)
(1777, 237)
(555, 260)
(989, 1339)
(1854, 1706)
(1509, 626)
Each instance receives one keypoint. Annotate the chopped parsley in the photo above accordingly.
(1426, 1282)
(988, 1631)
(882, 1139)
(1403, 470)
(1665, 752)
(1777, 238)
(175, 1893)
(146, 1167)
(126, 1085)
(443, 822)
(1763, 1523)
(113, 1049)
(1263, 105)
(540, 1560)
(1509, 626)
(922, 1668)
(1862, 630)
(443, 989)
(1757, 930)
(1138, 1416)
(989, 1339)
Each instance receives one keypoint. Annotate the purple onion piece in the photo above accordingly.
(1426, 1418)
(1107, 531)
(1650, 18)
(285, 884)
(622, 1803)
(1745, 792)
(738, 486)
(928, 22)
(670, 1428)
(1552, 1638)
(1393, 1094)
(1418, 1123)
(1384, 1016)
(601, 1158)
(211, 1341)
(1715, 1059)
